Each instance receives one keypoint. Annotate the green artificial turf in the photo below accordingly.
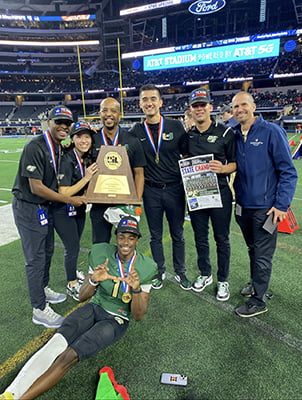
(225, 357)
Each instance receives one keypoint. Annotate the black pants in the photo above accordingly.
(38, 246)
(90, 329)
(261, 247)
(220, 220)
(70, 230)
(170, 201)
(101, 229)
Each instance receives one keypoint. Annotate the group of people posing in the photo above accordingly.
(49, 194)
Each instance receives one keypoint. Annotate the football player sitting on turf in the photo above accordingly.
(119, 285)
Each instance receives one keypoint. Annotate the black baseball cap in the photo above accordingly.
(81, 127)
(60, 112)
(200, 96)
(128, 224)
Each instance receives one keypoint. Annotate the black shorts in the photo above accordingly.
(90, 329)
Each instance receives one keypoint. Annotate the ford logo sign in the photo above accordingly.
(202, 7)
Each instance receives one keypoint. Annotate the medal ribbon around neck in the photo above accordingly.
(114, 141)
(51, 149)
(80, 164)
(159, 139)
(125, 286)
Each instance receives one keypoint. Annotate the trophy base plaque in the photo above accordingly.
(114, 183)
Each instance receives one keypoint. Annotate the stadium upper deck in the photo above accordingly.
(35, 72)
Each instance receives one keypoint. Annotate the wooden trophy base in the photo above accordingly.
(114, 184)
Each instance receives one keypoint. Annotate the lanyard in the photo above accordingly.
(114, 141)
(121, 271)
(51, 149)
(80, 164)
(159, 139)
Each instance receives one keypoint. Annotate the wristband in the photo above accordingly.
(92, 282)
(136, 291)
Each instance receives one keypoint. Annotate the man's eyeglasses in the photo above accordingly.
(63, 122)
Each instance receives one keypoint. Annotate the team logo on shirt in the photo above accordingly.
(212, 139)
(256, 143)
(168, 136)
(119, 320)
(112, 160)
(31, 168)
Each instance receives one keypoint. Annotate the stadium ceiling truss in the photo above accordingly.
(298, 10)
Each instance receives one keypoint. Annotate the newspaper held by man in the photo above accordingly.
(200, 183)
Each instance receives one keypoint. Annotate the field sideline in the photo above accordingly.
(224, 356)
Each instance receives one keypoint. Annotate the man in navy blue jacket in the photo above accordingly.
(264, 185)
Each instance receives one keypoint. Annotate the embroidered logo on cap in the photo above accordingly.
(63, 111)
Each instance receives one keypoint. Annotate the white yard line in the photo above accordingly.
(8, 230)
(258, 323)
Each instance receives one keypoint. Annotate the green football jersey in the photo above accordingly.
(109, 293)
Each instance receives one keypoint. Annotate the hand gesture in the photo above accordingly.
(100, 273)
(132, 280)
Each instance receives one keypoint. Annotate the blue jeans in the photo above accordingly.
(261, 247)
(220, 220)
(171, 201)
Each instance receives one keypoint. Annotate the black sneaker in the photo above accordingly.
(250, 310)
(248, 290)
(183, 281)
(157, 281)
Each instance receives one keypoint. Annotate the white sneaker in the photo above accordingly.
(47, 317)
(223, 293)
(80, 276)
(201, 282)
(54, 297)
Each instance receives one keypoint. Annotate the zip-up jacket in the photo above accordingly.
(266, 176)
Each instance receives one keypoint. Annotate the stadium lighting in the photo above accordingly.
(81, 17)
(49, 44)
(135, 54)
(152, 6)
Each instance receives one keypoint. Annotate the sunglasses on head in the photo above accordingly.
(63, 122)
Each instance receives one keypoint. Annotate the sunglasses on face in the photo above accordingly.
(196, 105)
(63, 122)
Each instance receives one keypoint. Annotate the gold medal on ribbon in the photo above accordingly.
(157, 158)
(126, 297)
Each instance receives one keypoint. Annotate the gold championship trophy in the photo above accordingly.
(114, 184)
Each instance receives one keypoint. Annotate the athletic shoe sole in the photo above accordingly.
(223, 298)
(38, 322)
(185, 288)
(56, 301)
(251, 315)
(157, 287)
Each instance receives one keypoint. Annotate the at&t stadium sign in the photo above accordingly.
(202, 7)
